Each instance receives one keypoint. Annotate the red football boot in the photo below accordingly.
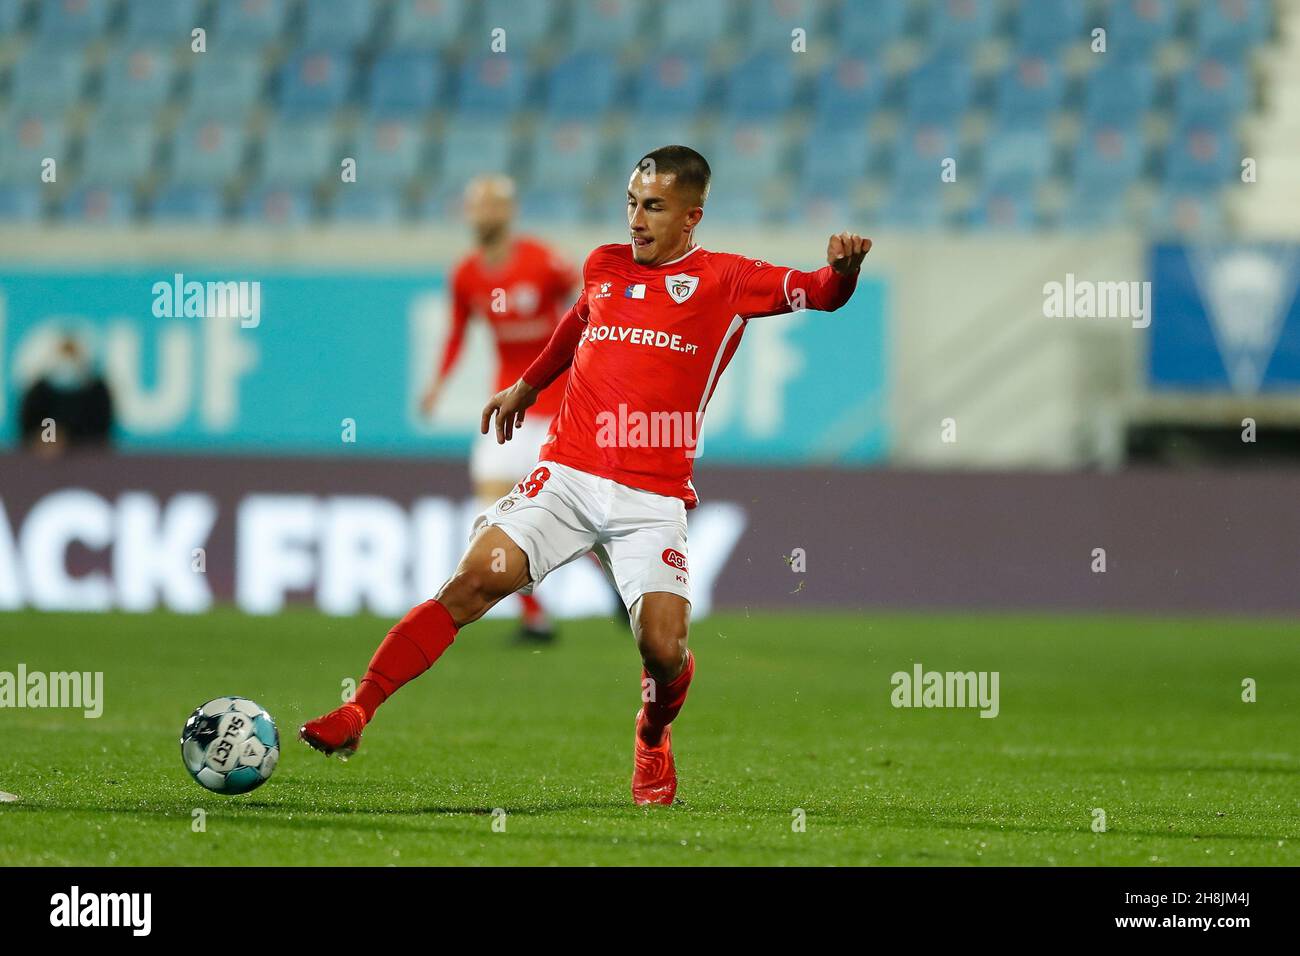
(338, 732)
(654, 776)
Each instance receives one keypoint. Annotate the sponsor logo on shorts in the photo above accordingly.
(505, 504)
(674, 559)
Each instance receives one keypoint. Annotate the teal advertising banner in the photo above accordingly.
(315, 363)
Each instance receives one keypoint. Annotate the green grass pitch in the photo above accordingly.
(1139, 717)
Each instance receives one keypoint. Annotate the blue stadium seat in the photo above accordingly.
(939, 90)
(336, 24)
(1029, 92)
(759, 87)
(225, 85)
(908, 211)
(1188, 214)
(772, 22)
(426, 24)
(277, 206)
(1088, 208)
(748, 156)
(25, 141)
(1003, 208)
(1044, 28)
(917, 159)
(1199, 158)
(248, 24)
(314, 83)
(47, 79)
(299, 154)
(691, 26)
(582, 86)
(1108, 159)
(961, 24)
(388, 153)
(71, 22)
(527, 25)
(1212, 91)
(469, 149)
(834, 159)
(1229, 28)
(1119, 93)
(869, 31)
(737, 204)
(161, 22)
(564, 156)
(206, 152)
(404, 84)
(137, 82)
(491, 85)
(1135, 29)
(849, 90)
(605, 25)
(117, 152)
(196, 204)
(550, 208)
(1018, 157)
(361, 204)
(672, 86)
(102, 205)
(824, 213)
(20, 204)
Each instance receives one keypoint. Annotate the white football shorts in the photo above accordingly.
(489, 461)
(556, 513)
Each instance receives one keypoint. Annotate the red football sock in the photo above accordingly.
(410, 649)
(667, 703)
(533, 610)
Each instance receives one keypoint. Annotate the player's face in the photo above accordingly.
(660, 216)
(489, 213)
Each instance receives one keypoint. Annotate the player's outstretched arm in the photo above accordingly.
(509, 406)
(845, 252)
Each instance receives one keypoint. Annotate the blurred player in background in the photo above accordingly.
(521, 289)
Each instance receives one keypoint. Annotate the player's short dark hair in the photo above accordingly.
(690, 168)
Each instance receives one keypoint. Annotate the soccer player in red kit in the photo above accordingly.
(520, 288)
(653, 329)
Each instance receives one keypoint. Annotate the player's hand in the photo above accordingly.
(845, 252)
(430, 398)
(509, 407)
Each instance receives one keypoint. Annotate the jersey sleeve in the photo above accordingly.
(459, 320)
(558, 353)
(760, 288)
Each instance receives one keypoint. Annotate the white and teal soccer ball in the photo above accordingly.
(230, 745)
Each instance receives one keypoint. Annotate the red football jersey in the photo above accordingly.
(521, 300)
(655, 342)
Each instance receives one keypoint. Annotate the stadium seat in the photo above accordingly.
(605, 25)
(1018, 157)
(25, 142)
(834, 159)
(277, 206)
(201, 204)
(426, 24)
(1200, 157)
(314, 83)
(939, 90)
(1211, 91)
(226, 86)
(206, 152)
(582, 86)
(772, 24)
(1136, 29)
(1044, 28)
(527, 25)
(71, 22)
(299, 154)
(1087, 209)
(738, 204)
(161, 22)
(550, 208)
(248, 24)
(961, 24)
(748, 155)
(1228, 28)
(869, 34)
(469, 149)
(404, 84)
(1118, 93)
(47, 79)
(340, 25)
(491, 85)
(672, 86)
(388, 153)
(1029, 93)
(918, 157)
(848, 91)
(1187, 214)
(758, 87)
(354, 202)
(1108, 159)
(1003, 207)
(564, 156)
(20, 204)
(913, 212)
(137, 82)
(117, 152)
(691, 26)
(102, 205)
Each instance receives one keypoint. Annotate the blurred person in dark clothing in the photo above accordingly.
(69, 406)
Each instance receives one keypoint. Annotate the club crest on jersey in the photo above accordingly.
(681, 286)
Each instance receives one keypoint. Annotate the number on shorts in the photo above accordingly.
(533, 483)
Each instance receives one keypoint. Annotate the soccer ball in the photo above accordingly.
(230, 745)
